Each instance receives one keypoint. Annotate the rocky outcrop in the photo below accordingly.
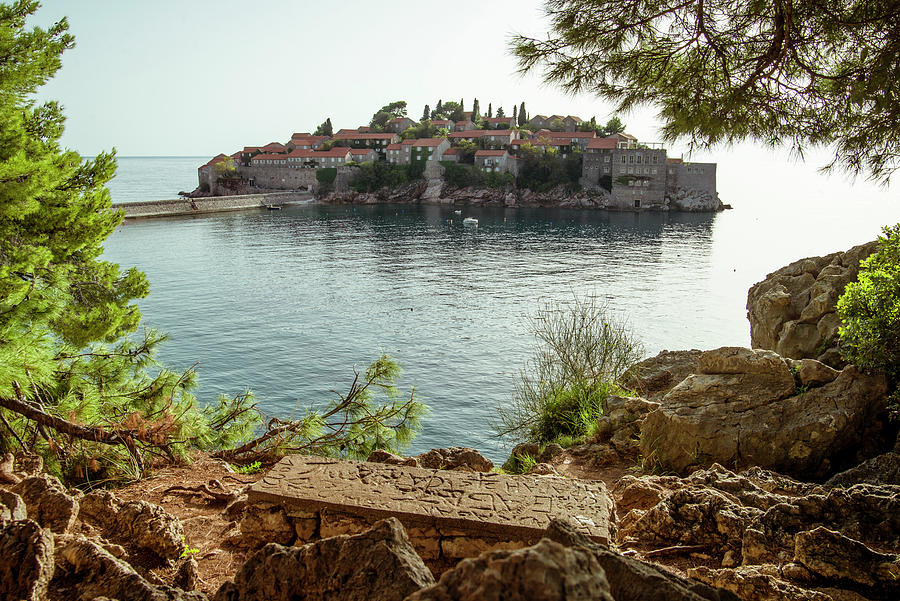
(793, 311)
(48, 502)
(743, 408)
(633, 580)
(135, 524)
(92, 572)
(653, 378)
(778, 538)
(547, 571)
(377, 565)
(694, 201)
(26, 560)
(455, 458)
(883, 469)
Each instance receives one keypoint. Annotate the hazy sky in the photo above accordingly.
(202, 77)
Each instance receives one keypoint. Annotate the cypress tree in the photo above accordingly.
(490, 111)
(426, 114)
(523, 118)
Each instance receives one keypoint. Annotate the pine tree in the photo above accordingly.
(426, 114)
(76, 384)
(523, 118)
(500, 113)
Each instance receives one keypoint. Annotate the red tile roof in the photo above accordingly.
(337, 151)
(216, 159)
(451, 151)
(571, 134)
(273, 147)
(300, 135)
(602, 143)
(471, 133)
(441, 122)
(364, 129)
(673, 161)
(361, 150)
(394, 146)
(407, 142)
(428, 142)
(489, 153)
(355, 135)
(301, 153)
(251, 149)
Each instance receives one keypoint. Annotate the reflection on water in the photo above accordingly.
(289, 302)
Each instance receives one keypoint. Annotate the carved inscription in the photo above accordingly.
(473, 502)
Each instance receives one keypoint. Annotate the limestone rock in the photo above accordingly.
(12, 507)
(866, 513)
(654, 377)
(547, 571)
(753, 583)
(816, 373)
(883, 469)
(633, 580)
(382, 456)
(265, 524)
(93, 572)
(741, 410)
(48, 502)
(26, 560)
(835, 556)
(7, 469)
(135, 524)
(792, 311)
(378, 565)
(187, 576)
(455, 458)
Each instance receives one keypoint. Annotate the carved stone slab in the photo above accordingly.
(517, 507)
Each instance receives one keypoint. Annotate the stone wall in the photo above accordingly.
(280, 178)
(213, 204)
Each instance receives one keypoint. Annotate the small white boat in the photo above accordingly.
(470, 221)
(457, 212)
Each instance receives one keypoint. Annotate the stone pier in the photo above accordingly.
(448, 515)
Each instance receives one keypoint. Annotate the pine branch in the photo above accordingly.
(95, 434)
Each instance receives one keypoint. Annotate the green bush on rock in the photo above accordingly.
(870, 310)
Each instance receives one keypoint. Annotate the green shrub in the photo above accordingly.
(326, 175)
(870, 310)
(581, 351)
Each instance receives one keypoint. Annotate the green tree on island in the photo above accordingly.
(77, 385)
(389, 111)
(325, 129)
(523, 119)
(426, 114)
(718, 71)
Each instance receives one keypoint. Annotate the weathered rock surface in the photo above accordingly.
(48, 502)
(741, 409)
(793, 311)
(137, 524)
(694, 201)
(264, 524)
(12, 507)
(654, 377)
(883, 469)
(378, 565)
(382, 456)
(779, 539)
(91, 572)
(26, 560)
(455, 458)
(633, 580)
(547, 571)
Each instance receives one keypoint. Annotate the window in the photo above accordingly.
(630, 182)
(637, 203)
(606, 159)
(623, 158)
(671, 172)
(654, 171)
(621, 169)
(631, 170)
(606, 170)
(646, 183)
(631, 158)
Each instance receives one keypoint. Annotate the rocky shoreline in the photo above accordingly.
(436, 192)
(736, 473)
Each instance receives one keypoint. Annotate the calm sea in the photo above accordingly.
(288, 303)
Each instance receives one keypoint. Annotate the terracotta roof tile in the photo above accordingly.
(490, 153)
(602, 143)
(428, 142)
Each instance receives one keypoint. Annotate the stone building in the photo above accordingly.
(399, 125)
(496, 161)
(428, 149)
